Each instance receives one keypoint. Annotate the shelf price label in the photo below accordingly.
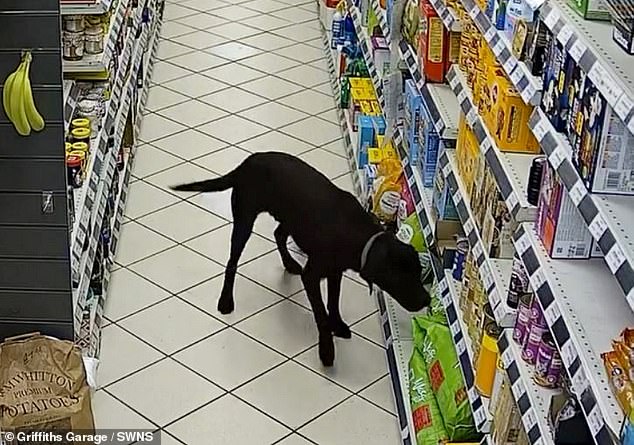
(557, 157)
(490, 33)
(565, 33)
(507, 358)
(516, 75)
(479, 416)
(530, 419)
(523, 244)
(577, 192)
(623, 107)
(512, 201)
(509, 64)
(615, 257)
(577, 50)
(538, 279)
(518, 388)
(579, 382)
(446, 169)
(498, 47)
(540, 129)
(499, 312)
(551, 19)
(455, 328)
(485, 146)
(598, 226)
(552, 314)
(462, 95)
(471, 116)
(595, 420)
(568, 353)
(473, 395)
(468, 227)
(461, 346)
(605, 83)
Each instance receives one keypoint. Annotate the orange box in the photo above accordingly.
(433, 45)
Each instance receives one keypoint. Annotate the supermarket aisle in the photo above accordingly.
(225, 88)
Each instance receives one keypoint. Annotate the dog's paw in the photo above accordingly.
(326, 350)
(341, 329)
(225, 305)
(293, 267)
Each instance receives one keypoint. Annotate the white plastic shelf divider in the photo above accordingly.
(490, 272)
(510, 170)
(349, 136)
(605, 215)
(439, 100)
(532, 400)
(449, 292)
(527, 85)
(584, 311)
(590, 44)
(89, 8)
(90, 63)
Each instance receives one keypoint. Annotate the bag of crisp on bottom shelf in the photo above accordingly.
(435, 343)
(428, 423)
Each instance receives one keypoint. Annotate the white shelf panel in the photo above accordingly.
(89, 8)
(605, 215)
(590, 44)
(527, 85)
(510, 170)
(91, 63)
(585, 310)
(532, 400)
(449, 290)
(493, 273)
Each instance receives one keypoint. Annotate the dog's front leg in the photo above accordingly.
(311, 278)
(337, 325)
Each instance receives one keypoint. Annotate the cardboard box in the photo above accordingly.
(591, 9)
(411, 122)
(433, 44)
(429, 147)
(559, 224)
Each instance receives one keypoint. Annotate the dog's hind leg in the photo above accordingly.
(243, 219)
(337, 325)
(311, 278)
(281, 237)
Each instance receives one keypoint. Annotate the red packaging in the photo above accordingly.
(433, 44)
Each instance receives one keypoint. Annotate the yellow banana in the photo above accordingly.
(20, 121)
(6, 93)
(34, 117)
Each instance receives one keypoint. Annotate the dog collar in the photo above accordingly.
(367, 247)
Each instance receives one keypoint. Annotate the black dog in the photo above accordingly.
(331, 228)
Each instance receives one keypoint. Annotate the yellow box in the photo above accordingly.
(388, 150)
(506, 115)
(375, 155)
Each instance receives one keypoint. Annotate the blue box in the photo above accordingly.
(367, 135)
(429, 148)
(411, 121)
(442, 201)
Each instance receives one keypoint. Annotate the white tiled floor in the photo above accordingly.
(170, 361)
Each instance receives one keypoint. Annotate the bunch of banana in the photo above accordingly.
(17, 99)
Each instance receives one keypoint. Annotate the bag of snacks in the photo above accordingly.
(410, 232)
(428, 423)
(445, 377)
(436, 308)
(619, 381)
(387, 196)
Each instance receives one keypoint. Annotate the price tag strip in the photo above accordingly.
(564, 339)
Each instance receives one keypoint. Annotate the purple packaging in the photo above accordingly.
(537, 330)
(545, 354)
(462, 247)
(554, 370)
(522, 322)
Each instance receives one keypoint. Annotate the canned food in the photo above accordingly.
(522, 322)
(73, 45)
(74, 171)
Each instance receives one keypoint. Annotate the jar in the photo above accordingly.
(81, 147)
(68, 147)
(93, 38)
(74, 171)
(80, 135)
(87, 109)
(93, 20)
(81, 155)
(81, 122)
(73, 23)
(73, 43)
(486, 365)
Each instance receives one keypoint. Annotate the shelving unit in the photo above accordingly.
(567, 289)
(66, 305)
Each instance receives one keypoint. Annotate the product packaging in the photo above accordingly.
(411, 22)
(442, 201)
(559, 224)
(506, 115)
(517, 11)
(429, 147)
(537, 51)
(44, 386)
(381, 56)
(445, 378)
(369, 127)
(428, 424)
(412, 116)
(591, 9)
(433, 44)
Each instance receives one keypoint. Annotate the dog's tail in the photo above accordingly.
(210, 185)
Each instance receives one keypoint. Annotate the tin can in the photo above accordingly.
(522, 322)
(80, 135)
(73, 45)
(462, 247)
(519, 283)
(545, 354)
(554, 371)
(537, 330)
(74, 171)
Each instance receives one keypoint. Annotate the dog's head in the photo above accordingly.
(394, 267)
